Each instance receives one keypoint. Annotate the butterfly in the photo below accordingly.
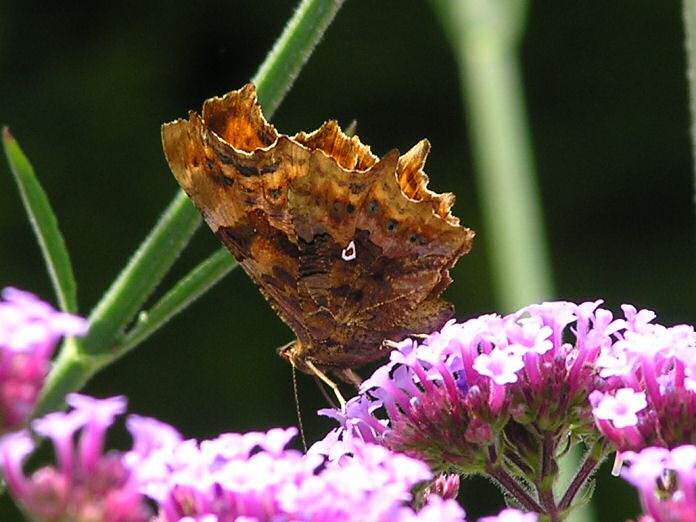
(349, 249)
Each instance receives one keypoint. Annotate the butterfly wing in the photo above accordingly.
(347, 248)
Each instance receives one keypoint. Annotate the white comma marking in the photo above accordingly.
(349, 253)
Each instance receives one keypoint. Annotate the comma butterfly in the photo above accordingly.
(348, 248)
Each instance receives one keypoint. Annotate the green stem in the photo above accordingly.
(689, 12)
(76, 363)
(514, 488)
(74, 366)
(185, 292)
(599, 451)
(142, 273)
(70, 372)
(485, 37)
(586, 470)
(547, 476)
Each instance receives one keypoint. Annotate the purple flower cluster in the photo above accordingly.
(253, 477)
(86, 484)
(29, 333)
(666, 482)
(248, 477)
(489, 387)
(502, 396)
(650, 394)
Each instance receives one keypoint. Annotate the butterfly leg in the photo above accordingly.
(349, 376)
(325, 379)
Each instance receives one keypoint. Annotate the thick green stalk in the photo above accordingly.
(73, 367)
(485, 36)
(689, 11)
(172, 233)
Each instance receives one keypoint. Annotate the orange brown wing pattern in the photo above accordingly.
(349, 249)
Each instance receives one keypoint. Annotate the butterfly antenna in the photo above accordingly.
(328, 382)
(298, 410)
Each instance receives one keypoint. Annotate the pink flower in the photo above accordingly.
(666, 482)
(649, 394)
(250, 477)
(253, 477)
(500, 365)
(621, 408)
(29, 333)
(86, 485)
(477, 396)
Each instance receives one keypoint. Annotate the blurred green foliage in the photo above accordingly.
(86, 86)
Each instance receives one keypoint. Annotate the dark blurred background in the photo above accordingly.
(86, 85)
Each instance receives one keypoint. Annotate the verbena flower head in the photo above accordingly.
(86, 484)
(254, 477)
(250, 477)
(29, 333)
(649, 396)
(489, 387)
(666, 482)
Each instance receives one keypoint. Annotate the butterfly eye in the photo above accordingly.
(337, 206)
(372, 207)
(275, 193)
(392, 225)
(350, 208)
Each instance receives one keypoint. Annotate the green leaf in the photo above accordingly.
(44, 223)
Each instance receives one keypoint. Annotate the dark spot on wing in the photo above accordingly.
(221, 179)
(357, 188)
(266, 139)
(268, 169)
(356, 296)
(246, 170)
(284, 276)
(341, 291)
(237, 239)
